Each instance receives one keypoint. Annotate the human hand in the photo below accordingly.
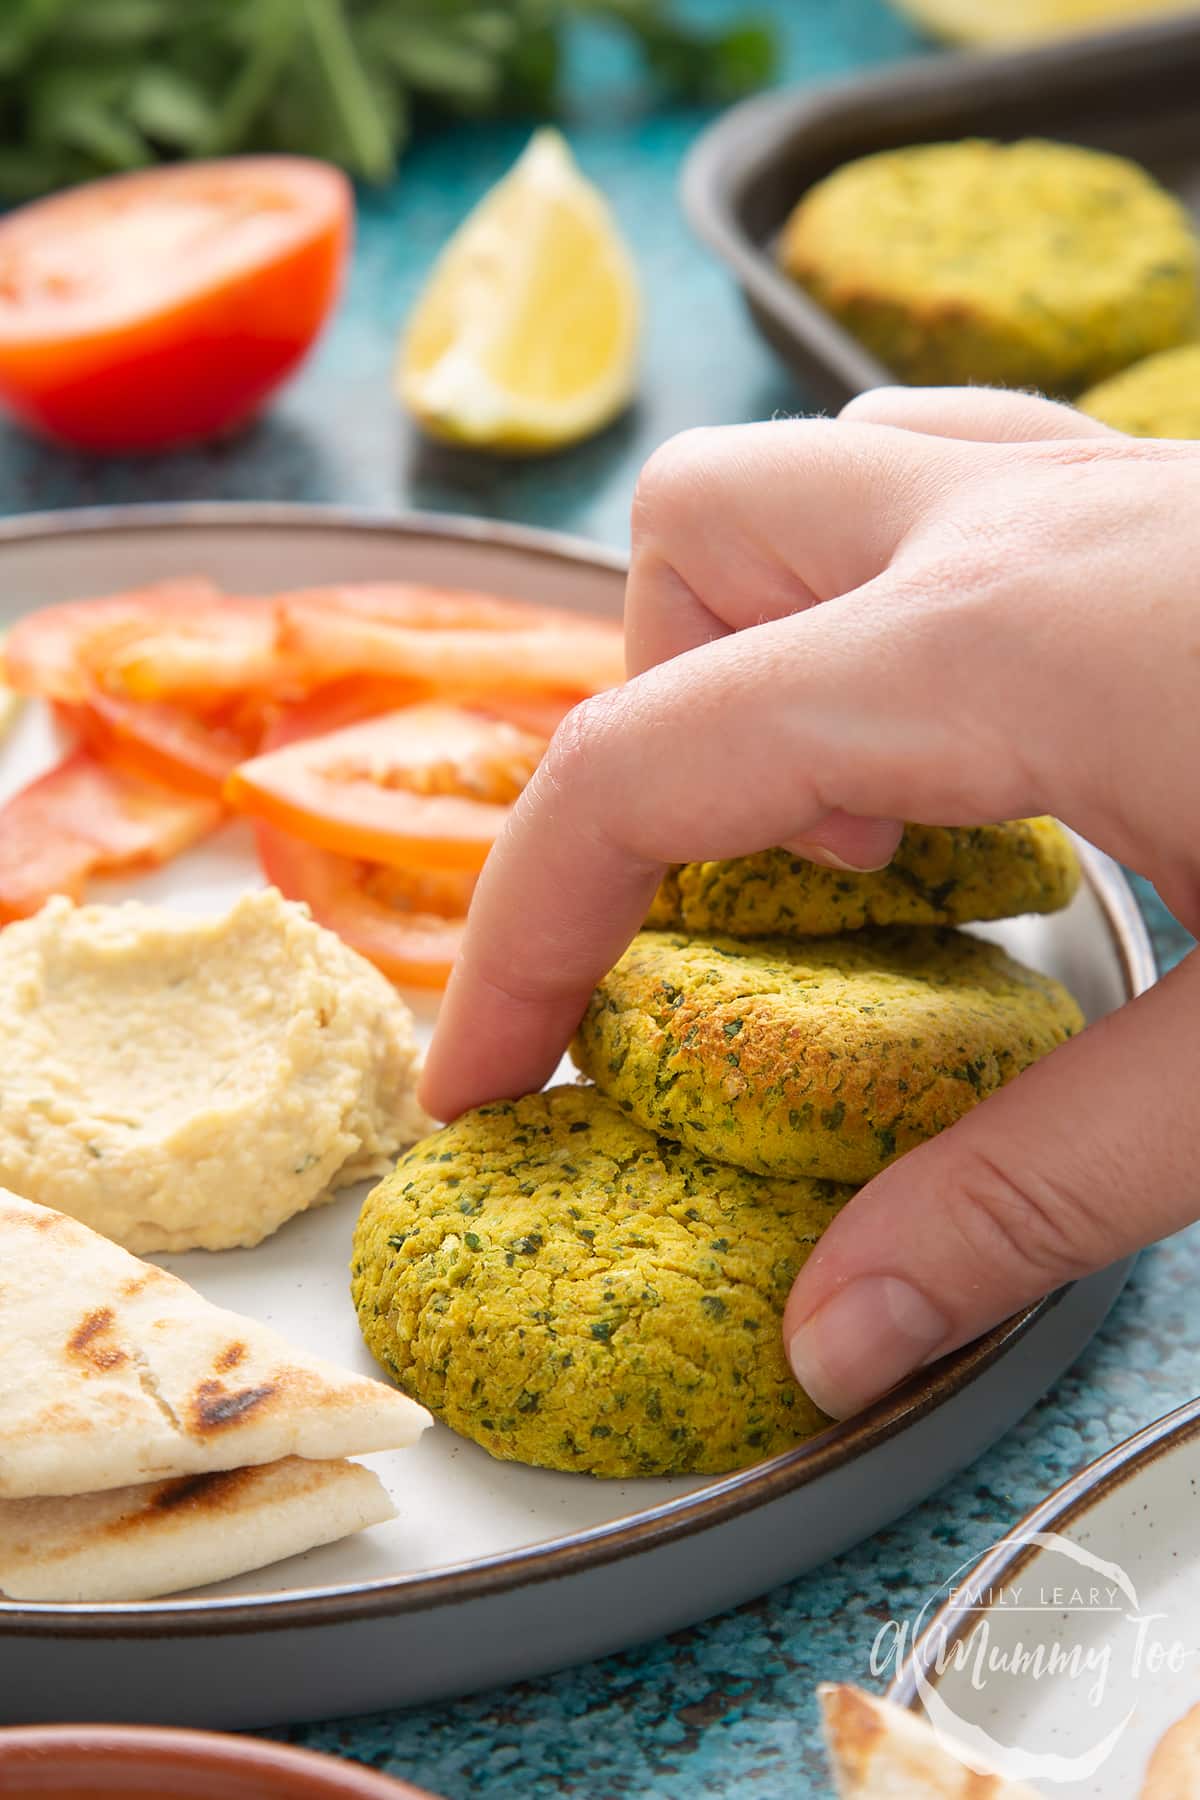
(946, 607)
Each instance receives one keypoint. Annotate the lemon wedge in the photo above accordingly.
(10, 701)
(1015, 21)
(526, 336)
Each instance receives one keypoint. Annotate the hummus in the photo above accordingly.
(181, 1083)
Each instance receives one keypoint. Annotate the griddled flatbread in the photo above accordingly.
(882, 1752)
(1174, 1772)
(113, 1373)
(137, 1543)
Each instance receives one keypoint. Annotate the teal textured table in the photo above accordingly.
(726, 1709)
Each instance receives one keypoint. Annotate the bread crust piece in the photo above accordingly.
(1174, 1770)
(114, 1373)
(940, 875)
(879, 1751)
(1032, 264)
(573, 1292)
(136, 1543)
(826, 1057)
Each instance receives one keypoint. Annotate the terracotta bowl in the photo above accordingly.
(72, 1762)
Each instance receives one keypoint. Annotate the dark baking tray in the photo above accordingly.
(1136, 91)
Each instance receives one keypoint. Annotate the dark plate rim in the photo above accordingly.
(745, 140)
(1066, 1504)
(715, 1503)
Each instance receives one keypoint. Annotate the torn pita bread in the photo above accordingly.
(1174, 1772)
(137, 1543)
(882, 1752)
(113, 1372)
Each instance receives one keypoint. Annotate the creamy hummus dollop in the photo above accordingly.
(182, 1083)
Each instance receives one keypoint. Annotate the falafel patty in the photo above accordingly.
(574, 1292)
(1159, 397)
(1032, 264)
(939, 876)
(1025, 21)
(827, 1057)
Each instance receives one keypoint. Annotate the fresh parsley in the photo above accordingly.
(91, 87)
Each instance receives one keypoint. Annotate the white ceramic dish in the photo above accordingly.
(492, 1571)
(1105, 1573)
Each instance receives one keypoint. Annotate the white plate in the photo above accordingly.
(1099, 1589)
(491, 1571)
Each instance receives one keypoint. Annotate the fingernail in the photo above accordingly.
(863, 1341)
(817, 853)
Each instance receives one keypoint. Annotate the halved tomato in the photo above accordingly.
(164, 743)
(458, 641)
(164, 306)
(424, 787)
(85, 818)
(408, 924)
(173, 639)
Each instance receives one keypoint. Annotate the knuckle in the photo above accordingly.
(878, 406)
(970, 571)
(578, 747)
(1089, 450)
(670, 480)
(1022, 1227)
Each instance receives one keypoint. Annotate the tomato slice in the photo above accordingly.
(458, 641)
(408, 924)
(171, 640)
(541, 714)
(47, 652)
(163, 743)
(85, 818)
(186, 640)
(358, 697)
(226, 651)
(426, 786)
(164, 306)
(340, 703)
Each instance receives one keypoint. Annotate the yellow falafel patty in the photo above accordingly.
(1032, 264)
(826, 1057)
(1024, 21)
(940, 875)
(572, 1291)
(1159, 397)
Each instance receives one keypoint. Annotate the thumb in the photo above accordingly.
(1083, 1159)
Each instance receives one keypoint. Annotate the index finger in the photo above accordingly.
(739, 744)
(791, 512)
(755, 522)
